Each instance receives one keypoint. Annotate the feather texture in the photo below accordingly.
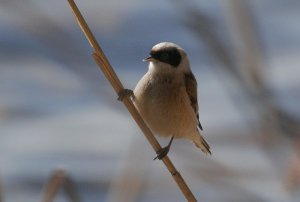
(191, 89)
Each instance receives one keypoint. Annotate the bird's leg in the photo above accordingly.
(164, 151)
(123, 93)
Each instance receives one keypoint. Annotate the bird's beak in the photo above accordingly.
(148, 59)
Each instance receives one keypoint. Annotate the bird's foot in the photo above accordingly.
(123, 93)
(162, 153)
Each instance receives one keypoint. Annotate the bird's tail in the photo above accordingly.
(201, 143)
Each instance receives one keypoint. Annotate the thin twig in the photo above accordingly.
(111, 76)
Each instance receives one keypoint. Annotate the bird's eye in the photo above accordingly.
(169, 56)
(164, 56)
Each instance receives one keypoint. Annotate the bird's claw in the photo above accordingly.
(162, 153)
(123, 93)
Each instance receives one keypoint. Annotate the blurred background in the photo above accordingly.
(60, 118)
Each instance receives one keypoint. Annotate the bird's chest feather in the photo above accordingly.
(163, 93)
(161, 99)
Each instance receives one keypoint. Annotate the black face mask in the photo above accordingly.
(169, 55)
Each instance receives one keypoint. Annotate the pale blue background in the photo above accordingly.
(58, 111)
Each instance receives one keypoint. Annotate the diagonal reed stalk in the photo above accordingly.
(111, 76)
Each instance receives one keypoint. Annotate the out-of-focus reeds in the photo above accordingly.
(60, 180)
(244, 62)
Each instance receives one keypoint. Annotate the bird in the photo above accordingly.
(166, 97)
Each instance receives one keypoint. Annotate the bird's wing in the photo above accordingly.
(191, 89)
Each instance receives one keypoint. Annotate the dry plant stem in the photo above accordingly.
(59, 180)
(111, 76)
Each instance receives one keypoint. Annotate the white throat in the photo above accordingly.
(161, 68)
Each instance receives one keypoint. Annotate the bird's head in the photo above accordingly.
(167, 56)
